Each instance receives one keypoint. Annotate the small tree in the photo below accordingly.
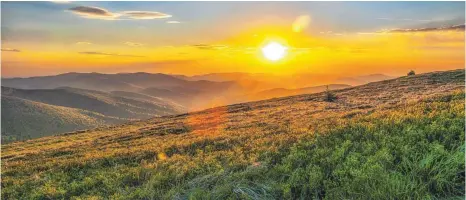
(411, 73)
(329, 96)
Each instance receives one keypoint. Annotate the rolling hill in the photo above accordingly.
(394, 139)
(101, 102)
(360, 80)
(23, 119)
(281, 92)
(26, 112)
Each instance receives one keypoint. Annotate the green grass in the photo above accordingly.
(353, 148)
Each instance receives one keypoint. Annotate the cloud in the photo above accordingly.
(145, 15)
(94, 12)
(397, 19)
(60, 1)
(173, 22)
(11, 50)
(209, 47)
(83, 43)
(101, 13)
(107, 54)
(134, 44)
(447, 28)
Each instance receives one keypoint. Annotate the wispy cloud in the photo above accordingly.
(145, 15)
(173, 22)
(134, 44)
(60, 1)
(11, 50)
(107, 54)
(94, 12)
(101, 13)
(83, 43)
(405, 19)
(430, 29)
(209, 47)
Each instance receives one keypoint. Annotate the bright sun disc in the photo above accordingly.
(274, 51)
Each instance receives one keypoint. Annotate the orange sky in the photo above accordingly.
(352, 53)
(349, 53)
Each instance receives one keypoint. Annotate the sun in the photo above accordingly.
(274, 51)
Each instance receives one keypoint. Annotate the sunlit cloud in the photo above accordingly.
(448, 28)
(83, 43)
(173, 22)
(107, 54)
(60, 1)
(101, 13)
(94, 13)
(406, 19)
(134, 44)
(209, 47)
(11, 50)
(301, 23)
(145, 15)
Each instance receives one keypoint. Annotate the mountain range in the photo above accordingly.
(94, 99)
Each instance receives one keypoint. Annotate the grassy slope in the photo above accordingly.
(24, 119)
(401, 138)
(282, 92)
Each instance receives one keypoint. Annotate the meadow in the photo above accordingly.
(395, 139)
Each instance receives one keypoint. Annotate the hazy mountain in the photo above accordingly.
(25, 119)
(269, 81)
(108, 82)
(101, 102)
(94, 81)
(218, 77)
(195, 99)
(178, 97)
(34, 113)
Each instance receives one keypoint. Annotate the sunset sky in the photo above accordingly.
(47, 38)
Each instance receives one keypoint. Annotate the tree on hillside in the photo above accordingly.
(329, 95)
(411, 73)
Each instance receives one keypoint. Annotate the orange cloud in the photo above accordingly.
(10, 50)
(145, 15)
(107, 54)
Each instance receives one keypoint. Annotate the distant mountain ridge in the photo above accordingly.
(96, 101)
(24, 119)
(106, 82)
(35, 113)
